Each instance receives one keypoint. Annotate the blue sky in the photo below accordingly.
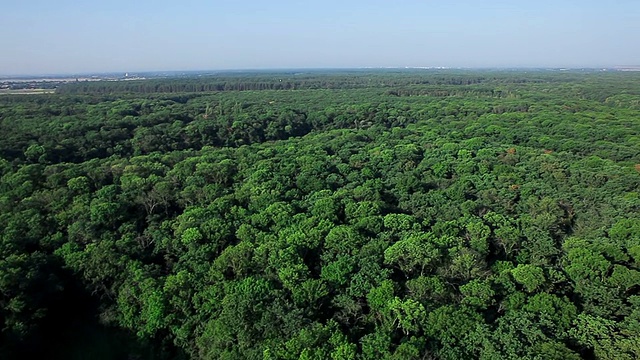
(65, 36)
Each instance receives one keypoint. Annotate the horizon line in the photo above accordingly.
(286, 69)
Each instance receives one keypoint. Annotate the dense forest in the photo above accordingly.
(344, 215)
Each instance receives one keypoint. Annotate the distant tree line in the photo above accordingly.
(310, 81)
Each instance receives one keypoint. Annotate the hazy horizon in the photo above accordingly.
(64, 37)
(178, 72)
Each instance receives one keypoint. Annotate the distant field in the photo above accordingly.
(26, 91)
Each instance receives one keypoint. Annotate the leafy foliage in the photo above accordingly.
(353, 216)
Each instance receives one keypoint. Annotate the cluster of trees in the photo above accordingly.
(326, 224)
